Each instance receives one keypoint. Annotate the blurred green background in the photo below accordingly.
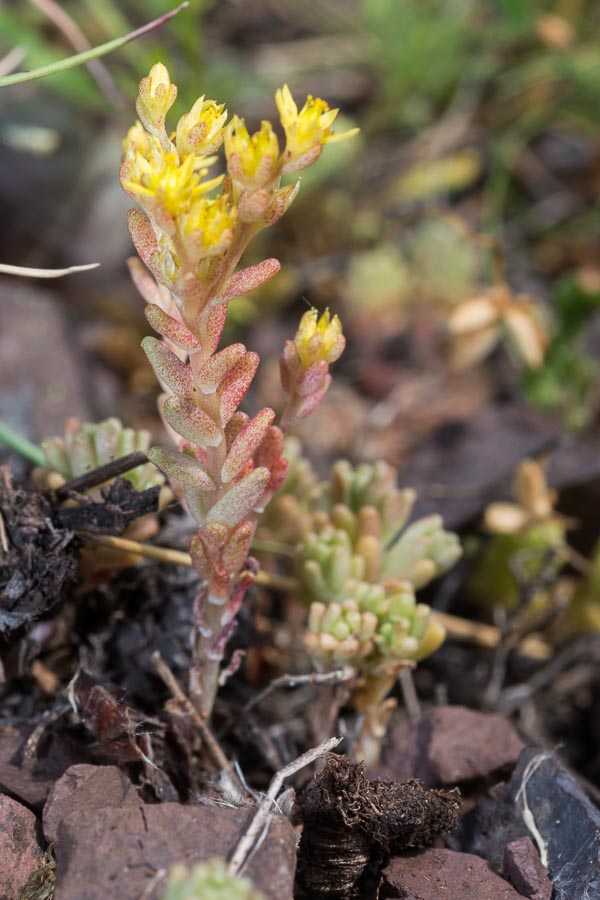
(477, 118)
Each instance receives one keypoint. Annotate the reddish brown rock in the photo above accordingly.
(20, 850)
(117, 852)
(449, 745)
(86, 787)
(29, 779)
(434, 874)
(525, 870)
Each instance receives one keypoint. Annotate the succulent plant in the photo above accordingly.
(191, 233)
(208, 881)
(87, 445)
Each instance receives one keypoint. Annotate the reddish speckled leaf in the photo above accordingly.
(245, 444)
(197, 503)
(235, 384)
(249, 279)
(310, 403)
(312, 379)
(241, 498)
(238, 546)
(216, 368)
(214, 327)
(238, 421)
(181, 467)
(171, 370)
(144, 239)
(144, 282)
(170, 328)
(271, 448)
(191, 422)
(281, 203)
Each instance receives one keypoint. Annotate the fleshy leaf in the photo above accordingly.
(214, 327)
(144, 239)
(245, 444)
(281, 203)
(234, 386)
(241, 498)
(170, 328)
(191, 422)
(216, 368)
(181, 467)
(147, 286)
(168, 367)
(312, 379)
(249, 279)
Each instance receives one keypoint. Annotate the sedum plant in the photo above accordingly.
(526, 532)
(208, 881)
(191, 231)
(86, 446)
(358, 566)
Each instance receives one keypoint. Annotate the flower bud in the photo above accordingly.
(156, 96)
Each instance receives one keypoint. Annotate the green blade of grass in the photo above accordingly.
(87, 55)
(21, 445)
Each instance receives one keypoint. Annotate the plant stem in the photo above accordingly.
(21, 445)
(79, 58)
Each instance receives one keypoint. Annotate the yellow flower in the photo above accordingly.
(306, 131)
(159, 179)
(208, 227)
(319, 338)
(156, 96)
(200, 131)
(251, 159)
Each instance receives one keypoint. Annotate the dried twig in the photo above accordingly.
(337, 676)
(210, 742)
(179, 558)
(28, 272)
(264, 808)
(109, 470)
(3, 537)
(409, 694)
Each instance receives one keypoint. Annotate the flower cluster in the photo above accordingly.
(190, 233)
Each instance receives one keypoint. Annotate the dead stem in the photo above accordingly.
(337, 676)
(210, 742)
(103, 473)
(409, 693)
(264, 808)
